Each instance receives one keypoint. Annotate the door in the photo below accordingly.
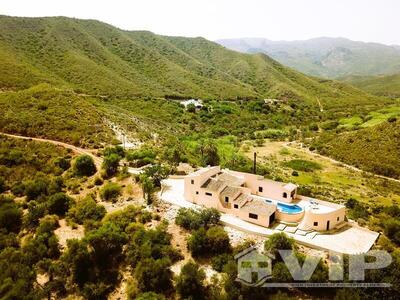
(327, 225)
(271, 218)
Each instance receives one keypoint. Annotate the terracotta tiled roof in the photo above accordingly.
(259, 207)
(213, 184)
(231, 179)
(241, 199)
(230, 191)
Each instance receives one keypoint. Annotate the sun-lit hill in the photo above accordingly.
(95, 58)
(44, 111)
(388, 86)
(375, 149)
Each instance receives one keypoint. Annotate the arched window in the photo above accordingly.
(284, 195)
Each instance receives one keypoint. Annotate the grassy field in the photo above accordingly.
(331, 182)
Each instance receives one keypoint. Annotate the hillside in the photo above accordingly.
(325, 57)
(388, 86)
(95, 58)
(375, 149)
(43, 111)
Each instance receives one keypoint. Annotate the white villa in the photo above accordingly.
(255, 199)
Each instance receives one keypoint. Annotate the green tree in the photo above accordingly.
(190, 282)
(110, 191)
(36, 188)
(10, 215)
(154, 275)
(110, 164)
(278, 241)
(84, 165)
(59, 204)
(209, 153)
(86, 209)
(147, 187)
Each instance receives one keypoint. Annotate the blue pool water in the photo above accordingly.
(289, 209)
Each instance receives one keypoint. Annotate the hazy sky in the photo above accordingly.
(365, 20)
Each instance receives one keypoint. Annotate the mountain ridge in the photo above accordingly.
(97, 58)
(321, 56)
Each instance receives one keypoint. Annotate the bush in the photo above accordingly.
(278, 241)
(59, 204)
(63, 163)
(86, 209)
(36, 188)
(213, 241)
(118, 150)
(218, 262)
(392, 230)
(110, 164)
(150, 296)
(154, 275)
(10, 215)
(3, 187)
(192, 219)
(110, 192)
(84, 166)
(18, 189)
(98, 181)
(303, 165)
(189, 283)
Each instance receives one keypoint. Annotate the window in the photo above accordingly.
(337, 219)
(197, 192)
(260, 189)
(226, 199)
(235, 206)
(253, 216)
(192, 181)
(315, 223)
(284, 195)
(208, 194)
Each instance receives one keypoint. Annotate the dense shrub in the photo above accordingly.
(190, 282)
(86, 209)
(213, 241)
(36, 188)
(154, 275)
(59, 204)
(63, 163)
(110, 164)
(3, 186)
(278, 241)
(303, 165)
(10, 215)
(110, 192)
(192, 219)
(84, 165)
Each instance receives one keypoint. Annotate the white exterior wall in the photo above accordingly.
(198, 179)
(310, 217)
(270, 188)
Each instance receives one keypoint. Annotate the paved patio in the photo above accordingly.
(348, 240)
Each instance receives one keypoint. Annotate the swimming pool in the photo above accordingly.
(289, 209)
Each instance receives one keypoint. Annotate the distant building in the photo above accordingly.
(196, 102)
(255, 199)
